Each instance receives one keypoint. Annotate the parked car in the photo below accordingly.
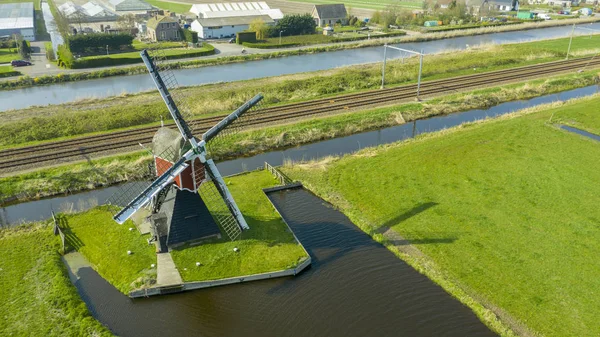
(232, 40)
(544, 16)
(19, 63)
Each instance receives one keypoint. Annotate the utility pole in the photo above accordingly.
(106, 50)
(383, 67)
(281, 31)
(570, 41)
(420, 71)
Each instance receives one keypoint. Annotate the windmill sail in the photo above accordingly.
(193, 167)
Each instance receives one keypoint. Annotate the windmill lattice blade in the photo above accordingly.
(170, 81)
(166, 83)
(217, 138)
(144, 179)
(219, 210)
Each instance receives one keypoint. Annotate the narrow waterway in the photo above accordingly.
(355, 287)
(580, 132)
(111, 86)
(40, 209)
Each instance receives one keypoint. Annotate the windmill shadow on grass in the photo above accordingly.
(396, 239)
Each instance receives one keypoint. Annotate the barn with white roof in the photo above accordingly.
(220, 20)
(216, 28)
(17, 18)
(235, 9)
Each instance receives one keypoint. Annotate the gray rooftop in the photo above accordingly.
(16, 15)
(331, 11)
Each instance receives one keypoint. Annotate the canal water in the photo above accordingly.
(355, 287)
(40, 209)
(111, 86)
(580, 132)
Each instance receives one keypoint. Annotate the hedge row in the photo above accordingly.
(10, 73)
(81, 43)
(108, 61)
(190, 35)
(264, 45)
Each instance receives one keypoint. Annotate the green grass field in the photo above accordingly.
(7, 55)
(267, 246)
(507, 208)
(369, 4)
(7, 71)
(583, 116)
(171, 6)
(36, 294)
(108, 252)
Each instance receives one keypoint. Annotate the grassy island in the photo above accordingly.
(268, 246)
(503, 214)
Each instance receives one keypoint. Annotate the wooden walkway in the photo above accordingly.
(166, 273)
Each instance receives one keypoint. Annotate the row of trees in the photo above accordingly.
(294, 24)
(394, 15)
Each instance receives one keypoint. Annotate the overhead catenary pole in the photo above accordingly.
(408, 51)
(570, 41)
(420, 72)
(592, 30)
(383, 66)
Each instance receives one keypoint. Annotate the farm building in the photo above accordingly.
(330, 14)
(487, 6)
(163, 28)
(226, 26)
(130, 5)
(235, 9)
(89, 12)
(17, 18)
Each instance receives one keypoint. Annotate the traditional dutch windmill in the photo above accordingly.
(187, 182)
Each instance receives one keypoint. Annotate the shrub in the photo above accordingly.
(296, 24)
(189, 35)
(243, 37)
(8, 44)
(65, 57)
(49, 51)
(98, 41)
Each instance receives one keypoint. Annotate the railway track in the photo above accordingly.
(76, 149)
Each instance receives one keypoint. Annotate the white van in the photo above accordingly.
(544, 16)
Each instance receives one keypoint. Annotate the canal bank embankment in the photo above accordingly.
(495, 210)
(82, 176)
(37, 297)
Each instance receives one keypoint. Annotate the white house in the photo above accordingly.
(226, 26)
(234, 9)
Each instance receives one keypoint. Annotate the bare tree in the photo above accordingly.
(126, 22)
